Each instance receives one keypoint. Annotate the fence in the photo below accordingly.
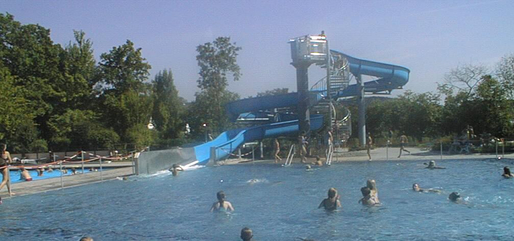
(75, 164)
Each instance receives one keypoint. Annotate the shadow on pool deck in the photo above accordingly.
(50, 184)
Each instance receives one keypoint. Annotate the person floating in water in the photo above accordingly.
(506, 173)
(369, 142)
(175, 169)
(276, 146)
(416, 188)
(332, 202)
(5, 160)
(403, 141)
(246, 234)
(367, 199)
(25, 175)
(454, 197)
(221, 204)
(431, 165)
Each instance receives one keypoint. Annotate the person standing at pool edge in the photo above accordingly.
(403, 141)
(221, 204)
(5, 159)
(369, 142)
(276, 146)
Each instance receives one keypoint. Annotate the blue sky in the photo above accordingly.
(428, 37)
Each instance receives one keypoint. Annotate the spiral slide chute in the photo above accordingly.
(229, 141)
(237, 107)
(389, 76)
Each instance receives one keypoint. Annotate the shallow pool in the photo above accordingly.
(281, 205)
(15, 174)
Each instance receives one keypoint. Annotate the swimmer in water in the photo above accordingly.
(454, 197)
(431, 165)
(506, 173)
(416, 188)
(332, 202)
(246, 234)
(25, 175)
(221, 204)
(372, 185)
(318, 161)
(367, 199)
(175, 169)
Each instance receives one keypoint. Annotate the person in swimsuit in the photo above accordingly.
(372, 185)
(416, 188)
(246, 234)
(5, 159)
(506, 173)
(367, 199)
(431, 165)
(175, 169)
(276, 146)
(403, 142)
(25, 175)
(369, 143)
(332, 202)
(221, 204)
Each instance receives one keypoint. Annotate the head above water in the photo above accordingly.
(454, 196)
(332, 192)
(246, 234)
(506, 170)
(86, 239)
(431, 163)
(220, 195)
(415, 187)
(365, 191)
(371, 184)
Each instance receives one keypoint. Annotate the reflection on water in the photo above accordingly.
(166, 207)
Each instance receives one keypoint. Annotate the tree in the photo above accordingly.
(124, 68)
(216, 61)
(464, 78)
(168, 108)
(505, 72)
(126, 100)
(494, 107)
(33, 60)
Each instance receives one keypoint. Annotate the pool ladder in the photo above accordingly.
(290, 156)
(330, 155)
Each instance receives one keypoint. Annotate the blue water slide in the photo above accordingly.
(267, 102)
(389, 76)
(228, 141)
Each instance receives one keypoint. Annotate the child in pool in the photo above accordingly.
(367, 199)
(332, 202)
(506, 173)
(221, 204)
(175, 169)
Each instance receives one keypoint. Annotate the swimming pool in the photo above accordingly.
(281, 205)
(15, 174)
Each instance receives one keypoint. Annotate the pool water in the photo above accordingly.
(15, 174)
(280, 204)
